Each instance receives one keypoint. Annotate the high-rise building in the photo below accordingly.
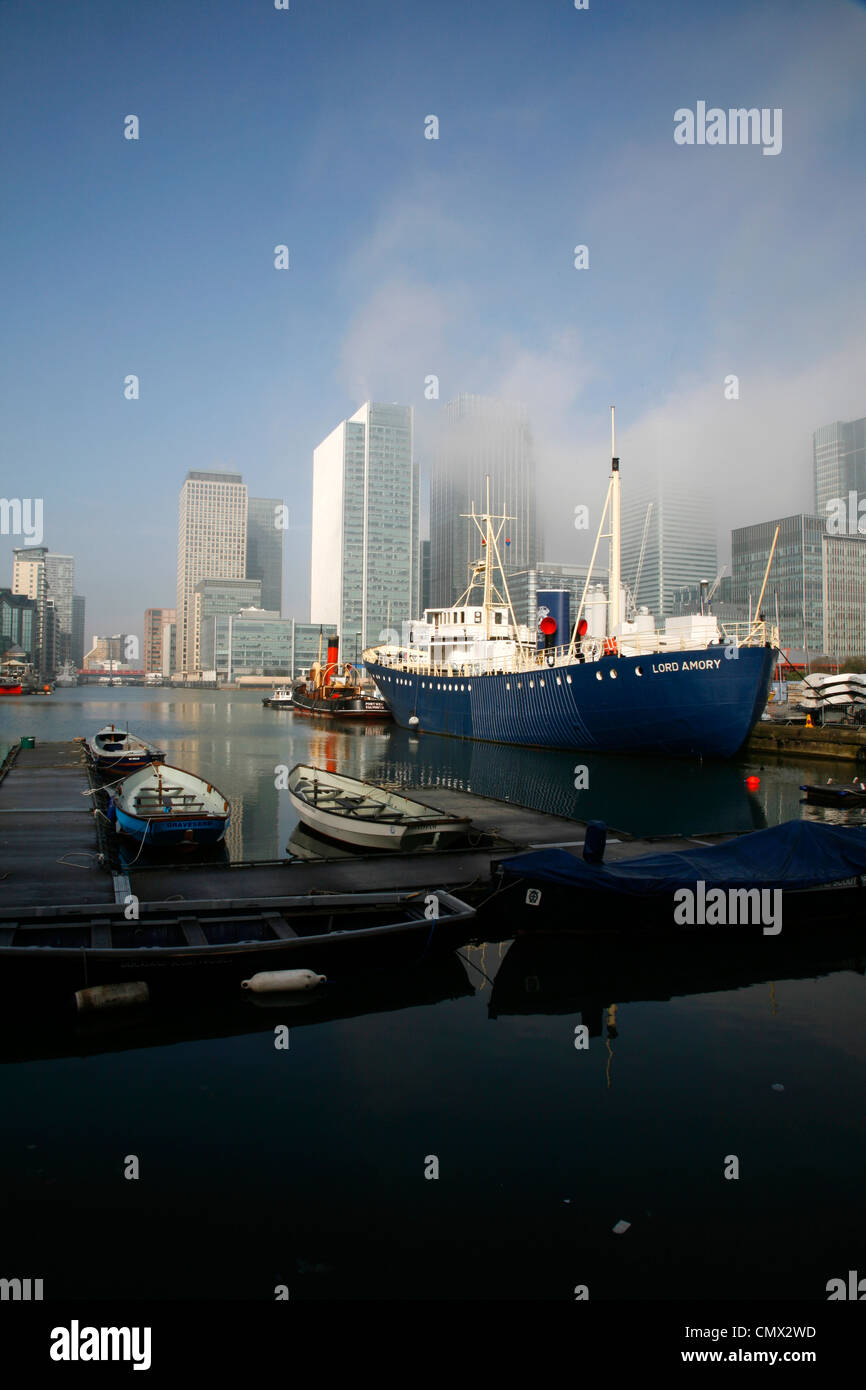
(365, 553)
(843, 575)
(211, 544)
(168, 653)
(76, 652)
(60, 578)
(265, 549)
(155, 620)
(839, 456)
(795, 580)
(30, 579)
(482, 437)
(425, 599)
(673, 548)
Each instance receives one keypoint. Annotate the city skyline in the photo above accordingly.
(455, 263)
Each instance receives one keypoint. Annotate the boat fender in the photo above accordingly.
(100, 997)
(414, 721)
(283, 979)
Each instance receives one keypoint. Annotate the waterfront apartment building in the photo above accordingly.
(265, 549)
(211, 544)
(155, 621)
(365, 554)
(839, 459)
(19, 623)
(30, 579)
(795, 580)
(60, 589)
(481, 437)
(523, 588)
(668, 541)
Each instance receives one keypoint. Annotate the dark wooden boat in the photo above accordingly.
(113, 750)
(99, 945)
(835, 794)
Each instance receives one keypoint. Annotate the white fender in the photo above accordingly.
(283, 979)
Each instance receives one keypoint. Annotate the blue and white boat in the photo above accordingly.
(611, 681)
(113, 750)
(167, 806)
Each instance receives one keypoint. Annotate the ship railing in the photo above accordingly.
(657, 642)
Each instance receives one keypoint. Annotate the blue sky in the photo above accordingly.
(411, 257)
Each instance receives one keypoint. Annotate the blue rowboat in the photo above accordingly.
(169, 806)
(117, 750)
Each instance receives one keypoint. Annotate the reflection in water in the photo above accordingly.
(231, 738)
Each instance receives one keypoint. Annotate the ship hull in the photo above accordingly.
(700, 703)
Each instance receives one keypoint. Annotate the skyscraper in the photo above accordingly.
(29, 578)
(678, 541)
(211, 544)
(481, 436)
(839, 456)
(265, 549)
(60, 577)
(365, 553)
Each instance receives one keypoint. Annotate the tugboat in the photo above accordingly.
(610, 681)
(333, 694)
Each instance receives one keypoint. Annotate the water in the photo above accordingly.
(305, 1167)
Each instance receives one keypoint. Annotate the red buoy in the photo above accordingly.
(753, 783)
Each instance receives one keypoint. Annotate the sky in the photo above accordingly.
(411, 257)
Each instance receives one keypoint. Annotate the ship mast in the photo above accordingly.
(614, 576)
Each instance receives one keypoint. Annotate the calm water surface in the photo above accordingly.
(305, 1166)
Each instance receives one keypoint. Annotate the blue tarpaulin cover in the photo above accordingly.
(797, 854)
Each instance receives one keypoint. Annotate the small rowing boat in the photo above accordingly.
(308, 930)
(117, 750)
(368, 816)
(169, 806)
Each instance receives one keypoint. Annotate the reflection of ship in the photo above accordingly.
(611, 682)
(333, 694)
(567, 974)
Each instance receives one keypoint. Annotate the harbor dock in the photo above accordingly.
(57, 848)
(832, 741)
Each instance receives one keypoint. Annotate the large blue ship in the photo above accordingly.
(610, 681)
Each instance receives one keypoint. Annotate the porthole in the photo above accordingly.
(541, 682)
(638, 670)
(469, 687)
(613, 675)
(508, 685)
(519, 685)
(599, 676)
(559, 680)
(568, 678)
(532, 685)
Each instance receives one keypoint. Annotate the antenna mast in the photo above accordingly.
(614, 576)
